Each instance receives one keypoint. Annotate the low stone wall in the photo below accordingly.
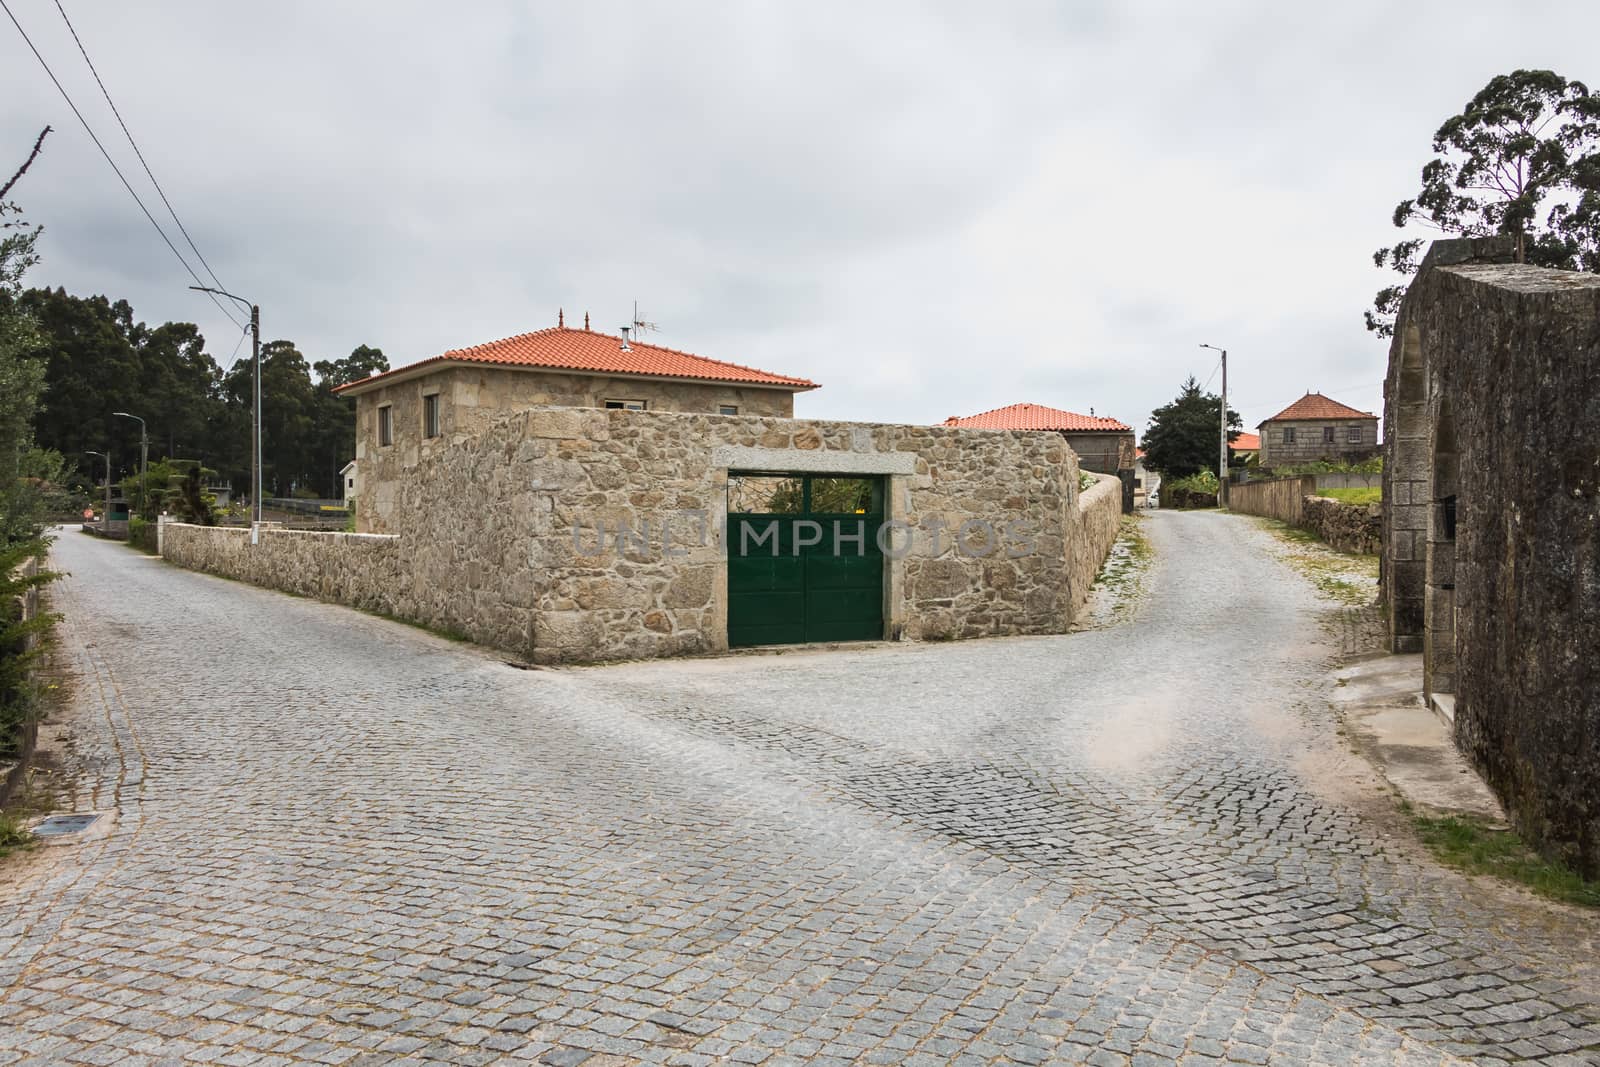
(1347, 527)
(365, 571)
(1275, 498)
(1096, 521)
(1187, 499)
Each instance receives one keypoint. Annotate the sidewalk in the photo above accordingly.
(1379, 696)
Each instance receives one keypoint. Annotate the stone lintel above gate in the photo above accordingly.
(812, 461)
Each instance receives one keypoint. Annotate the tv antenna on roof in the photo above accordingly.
(640, 324)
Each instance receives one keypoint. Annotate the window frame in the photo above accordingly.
(1354, 435)
(727, 409)
(1288, 435)
(430, 406)
(617, 403)
(385, 425)
(1329, 435)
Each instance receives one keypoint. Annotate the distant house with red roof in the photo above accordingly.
(405, 413)
(1105, 446)
(1317, 427)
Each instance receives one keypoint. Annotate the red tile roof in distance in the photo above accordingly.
(560, 348)
(1246, 442)
(1036, 417)
(1317, 406)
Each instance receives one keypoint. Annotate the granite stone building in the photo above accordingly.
(1491, 525)
(1102, 445)
(407, 414)
(1317, 427)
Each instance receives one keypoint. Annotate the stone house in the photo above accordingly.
(407, 414)
(1317, 427)
(1102, 445)
(1491, 525)
(579, 534)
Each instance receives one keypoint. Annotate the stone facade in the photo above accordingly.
(472, 396)
(1347, 527)
(573, 534)
(1491, 527)
(1287, 442)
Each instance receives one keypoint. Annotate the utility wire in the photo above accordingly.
(135, 146)
(90, 131)
(234, 356)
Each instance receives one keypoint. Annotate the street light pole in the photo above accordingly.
(1222, 448)
(144, 456)
(255, 450)
(105, 516)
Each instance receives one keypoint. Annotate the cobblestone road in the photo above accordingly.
(341, 840)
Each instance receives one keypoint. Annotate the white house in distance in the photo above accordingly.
(347, 484)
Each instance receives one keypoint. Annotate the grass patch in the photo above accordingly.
(1471, 846)
(1357, 495)
(1348, 577)
(13, 835)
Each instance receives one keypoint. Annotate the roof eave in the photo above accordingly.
(438, 364)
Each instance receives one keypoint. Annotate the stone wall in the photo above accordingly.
(1096, 521)
(1347, 527)
(1493, 397)
(366, 571)
(472, 397)
(571, 534)
(1275, 498)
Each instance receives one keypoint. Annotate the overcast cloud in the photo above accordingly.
(931, 209)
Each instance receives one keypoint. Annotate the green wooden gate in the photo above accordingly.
(803, 559)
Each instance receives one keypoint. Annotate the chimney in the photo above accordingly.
(585, 320)
(625, 346)
(561, 318)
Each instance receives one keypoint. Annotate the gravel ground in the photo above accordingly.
(342, 840)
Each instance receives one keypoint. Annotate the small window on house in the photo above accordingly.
(727, 409)
(1327, 435)
(1352, 435)
(386, 425)
(625, 405)
(1288, 435)
(430, 415)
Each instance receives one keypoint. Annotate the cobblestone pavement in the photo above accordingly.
(342, 840)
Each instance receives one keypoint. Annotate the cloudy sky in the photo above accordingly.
(932, 209)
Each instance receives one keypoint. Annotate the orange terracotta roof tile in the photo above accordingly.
(559, 348)
(1036, 417)
(1246, 442)
(1317, 406)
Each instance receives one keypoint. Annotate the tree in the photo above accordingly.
(1182, 438)
(1528, 138)
(336, 416)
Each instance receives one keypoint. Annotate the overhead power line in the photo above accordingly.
(135, 145)
(113, 163)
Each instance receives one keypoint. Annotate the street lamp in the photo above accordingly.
(105, 516)
(255, 451)
(144, 455)
(1222, 458)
